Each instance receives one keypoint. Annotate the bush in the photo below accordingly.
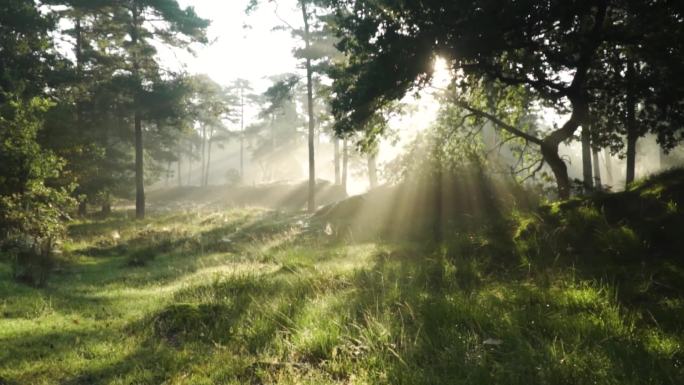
(31, 212)
(639, 224)
(32, 225)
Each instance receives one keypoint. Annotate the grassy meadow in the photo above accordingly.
(249, 296)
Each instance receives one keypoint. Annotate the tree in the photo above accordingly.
(336, 160)
(372, 169)
(210, 105)
(277, 133)
(28, 58)
(85, 125)
(345, 164)
(553, 51)
(316, 55)
(242, 87)
(587, 178)
(32, 206)
(643, 93)
(32, 201)
(309, 96)
(376, 128)
(146, 21)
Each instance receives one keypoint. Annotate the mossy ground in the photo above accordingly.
(248, 296)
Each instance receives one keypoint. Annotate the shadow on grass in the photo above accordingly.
(411, 316)
(471, 328)
(231, 317)
(167, 251)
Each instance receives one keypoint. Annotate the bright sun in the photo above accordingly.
(442, 75)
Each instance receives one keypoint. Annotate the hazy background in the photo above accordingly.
(249, 46)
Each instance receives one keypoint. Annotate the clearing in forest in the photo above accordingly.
(252, 296)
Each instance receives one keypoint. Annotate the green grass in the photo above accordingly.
(258, 297)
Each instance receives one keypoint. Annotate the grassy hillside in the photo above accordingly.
(250, 296)
(274, 195)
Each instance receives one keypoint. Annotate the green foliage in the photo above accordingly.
(25, 164)
(453, 143)
(443, 186)
(27, 64)
(38, 213)
(636, 225)
(31, 213)
(570, 57)
(277, 133)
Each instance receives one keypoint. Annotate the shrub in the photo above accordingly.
(32, 225)
(639, 224)
(31, 212)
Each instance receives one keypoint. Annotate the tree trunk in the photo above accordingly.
(579, 102)
(242, 132)
(309, 96)
(559, 169)
(549, 145)
(372, 170)
(168, 174)
(190, 153)
(631, 159)
(82, 207)
(587, 179)
(632, 135)
(79, 44)
(139, 167)
(273, 135)
(139, 181)
(345, 164)
(206, 172)
(609, 166)
(202, 157)
(79, 67)
(338, 178)
(597, 170)
(83, 204)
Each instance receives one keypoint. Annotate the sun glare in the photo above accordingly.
(441, 75)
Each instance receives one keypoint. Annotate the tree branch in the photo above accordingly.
(503, 125)
(275, 12)
(536, 170)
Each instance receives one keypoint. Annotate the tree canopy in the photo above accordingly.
(556, 51)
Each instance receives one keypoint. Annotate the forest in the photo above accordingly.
(341, 192)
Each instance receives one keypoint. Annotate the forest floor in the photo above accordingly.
(249, 296)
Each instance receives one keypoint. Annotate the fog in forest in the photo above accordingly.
(343, 192)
